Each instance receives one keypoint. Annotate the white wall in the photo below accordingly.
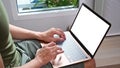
(110, 10)
(41, 24)
(112, 13)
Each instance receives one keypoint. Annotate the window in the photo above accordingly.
(34, 9)
(25, 6)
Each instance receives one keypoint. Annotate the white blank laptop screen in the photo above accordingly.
(89, 29)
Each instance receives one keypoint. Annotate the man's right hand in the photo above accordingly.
(48, 53)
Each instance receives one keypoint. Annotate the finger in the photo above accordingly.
(38, 51)
(57, 49)
(57, 38)
(51, 44)
(60, 33)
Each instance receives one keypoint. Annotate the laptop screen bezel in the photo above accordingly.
(87, 51)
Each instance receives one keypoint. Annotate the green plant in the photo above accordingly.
(56, 3)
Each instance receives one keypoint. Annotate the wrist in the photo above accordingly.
(37, 63)
(39, 36)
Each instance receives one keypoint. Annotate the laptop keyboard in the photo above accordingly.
(71, 49)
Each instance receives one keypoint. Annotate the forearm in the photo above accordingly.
(32, 64)
(21, 33)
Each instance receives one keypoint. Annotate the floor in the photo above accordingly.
(109, 52)
(111, 66)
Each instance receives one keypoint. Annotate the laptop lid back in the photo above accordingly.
(89, 29)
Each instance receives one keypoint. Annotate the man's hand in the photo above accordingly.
(48, 53)
(48, 36)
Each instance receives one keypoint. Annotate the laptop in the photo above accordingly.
(83, 38)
